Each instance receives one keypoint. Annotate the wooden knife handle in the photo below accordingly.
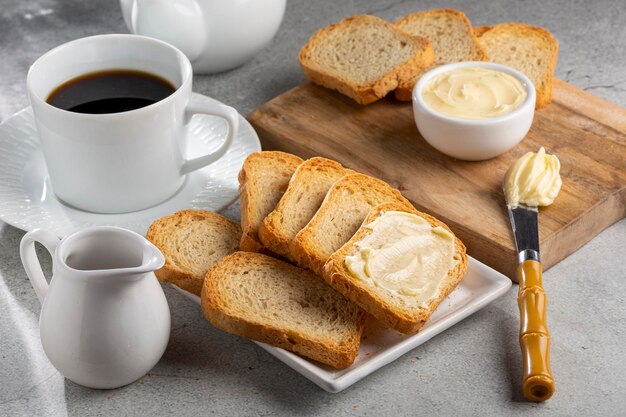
(538, 383)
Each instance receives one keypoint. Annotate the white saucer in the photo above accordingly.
(380, 346)
(28, 202)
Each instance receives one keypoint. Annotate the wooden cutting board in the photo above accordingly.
(586, 133)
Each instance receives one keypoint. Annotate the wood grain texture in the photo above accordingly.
(586, 133)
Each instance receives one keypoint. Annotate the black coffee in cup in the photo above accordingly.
(111, 91)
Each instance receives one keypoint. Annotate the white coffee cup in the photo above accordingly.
(127, 161)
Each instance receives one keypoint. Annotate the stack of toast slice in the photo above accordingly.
(365, 57)
(309, 212)
(315, 224)
(304, 196)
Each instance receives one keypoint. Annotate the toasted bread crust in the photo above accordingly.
(305, 248)
(215, 309)
(480, 30)
(251, 214)
(272, 233)
(339, 277)
(170, 272)
(544, 86)
(404, 92)
(365, 94)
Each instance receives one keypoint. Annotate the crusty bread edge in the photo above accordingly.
(340, 357)
(382, 86)
(272, 238)
(248, 240)
(480, 30)
(249, 237)
(358, 291)
(544, 97)
(172, 274)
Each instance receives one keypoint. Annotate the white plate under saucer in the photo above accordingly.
(27, 200)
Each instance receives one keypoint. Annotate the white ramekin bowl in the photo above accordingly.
(473, 139)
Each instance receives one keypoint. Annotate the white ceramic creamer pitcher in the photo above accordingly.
(104, 319)
(216, 35)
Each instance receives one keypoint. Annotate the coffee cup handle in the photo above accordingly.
(31, 262)
(230, 115)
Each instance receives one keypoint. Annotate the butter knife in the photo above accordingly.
(534, 339)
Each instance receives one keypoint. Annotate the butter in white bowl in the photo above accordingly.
(473, 110)
(474, 93)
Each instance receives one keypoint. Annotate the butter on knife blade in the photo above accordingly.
(533, 180)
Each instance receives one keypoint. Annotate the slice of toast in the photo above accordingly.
(261, 298)
(451, 36)
(192, 241)
(262, 181)
(529, 49)
(306, 191)
(343, 210)
(364, 57)
(388, 307)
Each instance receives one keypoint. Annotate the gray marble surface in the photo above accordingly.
(471, 369)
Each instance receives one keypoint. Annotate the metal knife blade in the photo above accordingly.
(526, 231)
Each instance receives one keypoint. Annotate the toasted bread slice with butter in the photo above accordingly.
(262, 181)
(391, 308)
(451, 35)
(306, 191)
(529, 49)
(261, 298)
(192, 241)
(364, 57)
(343, 210)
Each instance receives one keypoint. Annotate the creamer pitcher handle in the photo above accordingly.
(31, 262)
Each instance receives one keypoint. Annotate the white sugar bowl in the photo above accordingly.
(216, 35)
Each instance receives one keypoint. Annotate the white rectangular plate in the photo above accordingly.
(380, 346)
